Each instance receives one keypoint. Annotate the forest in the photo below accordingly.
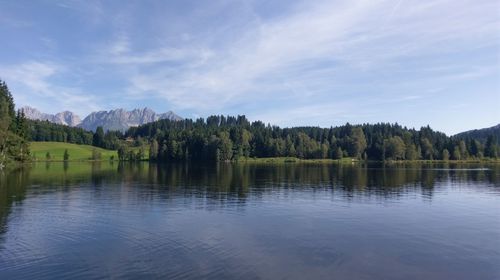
(228, 138)
(223, 138)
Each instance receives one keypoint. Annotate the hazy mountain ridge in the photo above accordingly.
(481, 134)
(118, 119)
(65, 117)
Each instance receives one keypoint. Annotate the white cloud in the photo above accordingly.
(31, 81)
(270, 57)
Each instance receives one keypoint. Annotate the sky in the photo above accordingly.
(288, 63)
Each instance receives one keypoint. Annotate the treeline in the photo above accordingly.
(14, 145)
(51, 132)
(47, 131)
(223, 138)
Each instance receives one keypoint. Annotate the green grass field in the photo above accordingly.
(76, 152)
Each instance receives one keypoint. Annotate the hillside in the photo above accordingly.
(481, 134)
(76, 152)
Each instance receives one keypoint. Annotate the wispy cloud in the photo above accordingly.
(269, 56)
(311, 61)
(32, 81)
(92, 10)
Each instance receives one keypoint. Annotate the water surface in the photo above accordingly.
(250, 221)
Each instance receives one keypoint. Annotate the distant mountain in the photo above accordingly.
(119, 119)
(66, 117)
(481, 134)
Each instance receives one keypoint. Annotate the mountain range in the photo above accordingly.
(118, 119)
(66, 117)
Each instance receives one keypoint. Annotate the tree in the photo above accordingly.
(338, 153)
(153, 150)
(290, 147)
(411, 152)
(225, 147)
(357, 142)
(13, 130)
(446, 155)
(464, 154)
(475, 148)
(66, 155)
(98, 138)
(48, 156)
(394, 148)
(491, 149)
(246, 137)
(21, 125)
(427, 150)
(456, 153)
(324, 150)
(122, 153)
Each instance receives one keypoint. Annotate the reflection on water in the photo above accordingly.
(82, 220)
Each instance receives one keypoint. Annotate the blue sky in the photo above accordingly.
(284, 62)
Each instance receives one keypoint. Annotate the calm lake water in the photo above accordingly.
(250, 221)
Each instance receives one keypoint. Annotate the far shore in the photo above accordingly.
(281, 160)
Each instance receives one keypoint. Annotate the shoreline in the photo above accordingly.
(290, 160)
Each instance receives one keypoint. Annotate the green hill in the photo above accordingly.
(76, 152)
(481, 134)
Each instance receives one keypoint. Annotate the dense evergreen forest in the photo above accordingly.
(231, 138)
(223, 138)
(47, 131)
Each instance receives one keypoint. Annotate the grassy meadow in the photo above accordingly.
(76, 152)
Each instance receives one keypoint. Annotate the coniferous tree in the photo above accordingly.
(98, 138)
(14, 144)
(491, 149)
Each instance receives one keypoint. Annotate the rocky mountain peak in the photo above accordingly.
(117, 119)
(65, 117)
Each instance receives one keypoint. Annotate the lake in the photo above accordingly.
(250, 221)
